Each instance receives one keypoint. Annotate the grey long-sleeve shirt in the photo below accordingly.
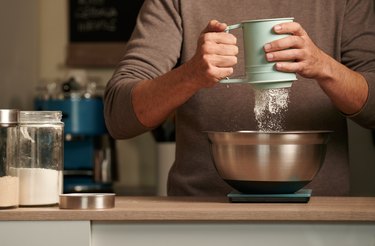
(166, 34)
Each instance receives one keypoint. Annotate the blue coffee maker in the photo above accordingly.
(89, 151)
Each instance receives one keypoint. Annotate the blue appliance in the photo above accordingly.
(89, 151)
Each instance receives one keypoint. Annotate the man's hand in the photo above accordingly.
(215, 55)
(309, 60)
(347, 89)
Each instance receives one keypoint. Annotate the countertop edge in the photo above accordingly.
(188, 209)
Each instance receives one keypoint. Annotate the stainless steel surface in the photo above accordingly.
(105, 160)
(278, 157)
(87, 201)
(8, 117)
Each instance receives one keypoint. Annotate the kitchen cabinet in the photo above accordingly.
(196, 221)
(43, 233)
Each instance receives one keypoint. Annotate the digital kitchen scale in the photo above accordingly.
(301, 196)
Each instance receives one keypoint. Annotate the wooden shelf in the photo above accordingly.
(94, 54)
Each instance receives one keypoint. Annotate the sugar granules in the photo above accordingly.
(8, 191)
(38, 186)
(270, 108)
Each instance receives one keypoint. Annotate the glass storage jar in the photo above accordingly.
(8, 158)
(40, 169)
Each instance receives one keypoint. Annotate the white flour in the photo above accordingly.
(270, 108)
(39, 186)
(8, 191)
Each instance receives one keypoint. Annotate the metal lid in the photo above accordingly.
(87, 200)
(40, 117)
(9, 117)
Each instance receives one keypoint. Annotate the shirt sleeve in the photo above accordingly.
(358, 52)
(153, 49)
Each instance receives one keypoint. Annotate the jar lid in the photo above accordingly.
(40, 116)
(9, 117)
(87, 201)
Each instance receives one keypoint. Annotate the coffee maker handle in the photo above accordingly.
(228, 80)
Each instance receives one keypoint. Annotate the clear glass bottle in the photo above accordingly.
(8, 158)
(40, 169)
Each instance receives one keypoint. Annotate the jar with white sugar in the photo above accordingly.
(40, 168)
(8, 158)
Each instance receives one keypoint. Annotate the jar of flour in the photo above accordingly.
(8, 158)
(40, 168)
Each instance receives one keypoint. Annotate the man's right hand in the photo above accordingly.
(215, 56)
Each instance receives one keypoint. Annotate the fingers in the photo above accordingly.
(220, 61)
(296, 40)
(289, 28)
(214, 32)
(296, 53)
(220, 73)
(286, 55)
(219, 38)
(285, 43)
(218, 54)
(215, 26)
(215, 56)
(289, 66)
(219, 57)
(219, 49)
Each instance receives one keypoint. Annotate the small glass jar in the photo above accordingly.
(40, 169)
(8, 158)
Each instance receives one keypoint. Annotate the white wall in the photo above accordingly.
(19, 53)
(53, 24)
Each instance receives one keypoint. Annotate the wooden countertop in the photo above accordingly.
(327, 209)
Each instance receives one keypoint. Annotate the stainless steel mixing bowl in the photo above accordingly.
(268, 162)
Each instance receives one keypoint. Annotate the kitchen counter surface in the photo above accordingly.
(193, 209)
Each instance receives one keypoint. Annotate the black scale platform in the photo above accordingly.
(301, 196)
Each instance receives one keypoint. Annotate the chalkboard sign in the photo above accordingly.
(98, 31)
(102, 20)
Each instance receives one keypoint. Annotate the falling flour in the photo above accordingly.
(39, 186)
(8, 191)
(270, 108)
